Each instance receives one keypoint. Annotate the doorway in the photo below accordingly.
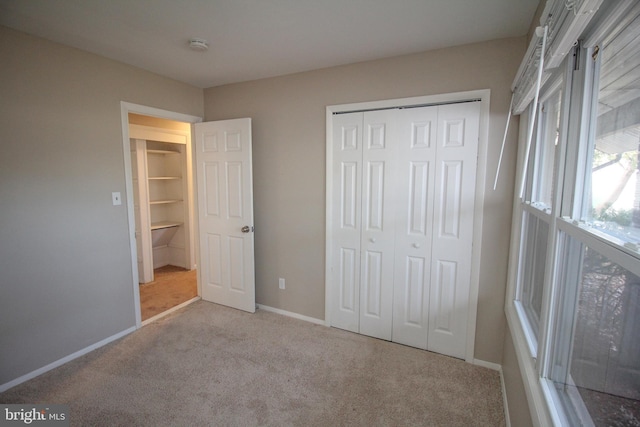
(160, 208)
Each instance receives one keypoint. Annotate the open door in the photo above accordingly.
(225, 212)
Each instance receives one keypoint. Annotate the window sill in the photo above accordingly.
(536, 389)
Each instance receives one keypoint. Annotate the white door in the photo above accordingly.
(225, 212)
(346, 220)
(456, 163)
(363, 236)
(378, 223)
(403, 185)
(416, 145)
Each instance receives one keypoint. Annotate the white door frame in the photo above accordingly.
(481, 173)
(125, 109)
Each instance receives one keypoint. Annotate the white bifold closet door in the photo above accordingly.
(403, 198)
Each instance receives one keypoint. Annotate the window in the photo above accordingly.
(536, 211)
(612, 200)
(533, 267)
(576, 301)
(596, 340)
(546, 148)
(596, 352)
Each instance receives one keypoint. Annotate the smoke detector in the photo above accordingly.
(199, 45)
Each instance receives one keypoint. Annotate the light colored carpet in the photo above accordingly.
(208, 365)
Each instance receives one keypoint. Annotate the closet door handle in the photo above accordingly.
(372, 240)
(416, 245)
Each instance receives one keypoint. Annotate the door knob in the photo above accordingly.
(416, 245)
(245, 229)
(372, 240)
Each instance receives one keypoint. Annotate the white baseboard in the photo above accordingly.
(60, 362)
(489, 365)
(291, 314)
(507, 420)
(497, 367)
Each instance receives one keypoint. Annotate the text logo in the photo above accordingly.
(34, 415)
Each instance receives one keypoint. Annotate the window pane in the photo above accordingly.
(613, 204)
(533, 266)
(546, 150)
(596, 362)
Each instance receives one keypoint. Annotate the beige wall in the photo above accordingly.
(519, 413)
(289, 165)
(65, 260)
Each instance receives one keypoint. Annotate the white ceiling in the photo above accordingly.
(251, 39)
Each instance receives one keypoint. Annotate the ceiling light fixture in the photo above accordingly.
(199, 45)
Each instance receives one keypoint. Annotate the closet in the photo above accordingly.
(161, 197)
(402, 197)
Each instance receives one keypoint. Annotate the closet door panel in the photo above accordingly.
(416, 149)
(455, 174)
(372, 285)
(377, 242)
(346, 220)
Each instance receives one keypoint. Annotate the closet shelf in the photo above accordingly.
(165, 177)
(152, 151)
(162, 202)
(164, 224)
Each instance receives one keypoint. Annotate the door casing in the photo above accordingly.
(481, 172)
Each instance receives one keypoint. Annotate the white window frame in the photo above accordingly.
(533, 334)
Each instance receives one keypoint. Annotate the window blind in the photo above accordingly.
(564, 20)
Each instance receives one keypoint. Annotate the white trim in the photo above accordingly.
(538, 408)
(125, 109)
(602, 243)
(484, 96)
(505, 402)
(578, 404)
(328, 297)
(291, 314)
(526, 364)
(529, 334)
(478, 218)
(158, 112)
(171, 310)
(488, 365)
(6, 386)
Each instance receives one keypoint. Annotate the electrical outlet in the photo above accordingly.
(281, 283)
